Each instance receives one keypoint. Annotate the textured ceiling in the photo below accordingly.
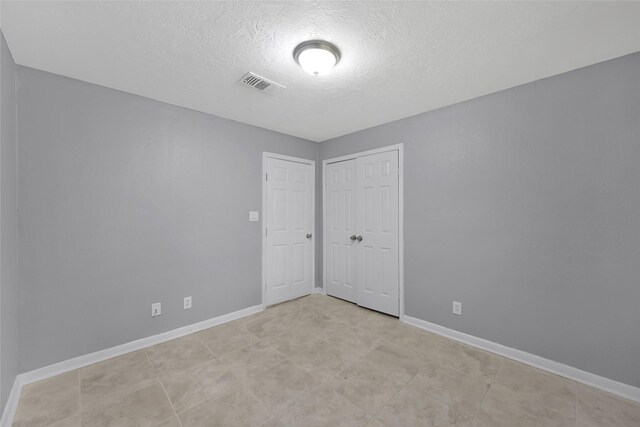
(399, 58)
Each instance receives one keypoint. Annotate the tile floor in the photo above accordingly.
(316, 361)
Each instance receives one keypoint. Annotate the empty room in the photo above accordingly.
(319, 213)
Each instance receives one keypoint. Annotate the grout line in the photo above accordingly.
(497, 373)
(79, 396)
(434, 359)
(175, 414)
(206, 346)
(167, 419)
(442, 348)
(487, 390)
(274, 415)
(215, 356)
(199, 402)
(392, 397)
(532, 405)
(48, 390)
(238, 380)
(172, 374)
(576, 408)
(144, 350)
(286, 359)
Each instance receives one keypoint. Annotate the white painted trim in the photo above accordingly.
(266, 155)
(319, 291)
(99, 356)
(400, 149)
(575, 374)
(12, 404)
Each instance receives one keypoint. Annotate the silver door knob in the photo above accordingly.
(359, 238)
(353, 238)
(308, 236)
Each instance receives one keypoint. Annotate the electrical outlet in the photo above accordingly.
(457, 308)
(186, 305)
(156, 309)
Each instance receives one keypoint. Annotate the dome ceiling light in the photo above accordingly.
(316, 56)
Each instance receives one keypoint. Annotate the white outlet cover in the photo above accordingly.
(187, 303)
(254, 216)
(156, 309)
(457, 308)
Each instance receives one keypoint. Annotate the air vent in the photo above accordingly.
(260, 83)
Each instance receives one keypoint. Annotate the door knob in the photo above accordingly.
(353, 238)
(359, 238)
(308, 236)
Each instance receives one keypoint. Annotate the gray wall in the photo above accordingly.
(8, 226)
(125, 201)
(525, 206)
(521, 204)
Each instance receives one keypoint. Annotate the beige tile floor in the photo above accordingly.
(317, 361)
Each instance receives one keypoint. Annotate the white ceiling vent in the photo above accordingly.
(260, 83)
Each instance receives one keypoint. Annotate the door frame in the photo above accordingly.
(400, 149)
(266, 155)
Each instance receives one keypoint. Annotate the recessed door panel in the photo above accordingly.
(349, 203)
(386, 281)
(349, 259)
(300, 210)
(299, 262)
(279, 209)
(279, 278)
(335, 255)
(385, 209)
(367, 209)
(368, 273)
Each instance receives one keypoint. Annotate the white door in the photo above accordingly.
(340, 192)
(378, 248)
(289, 228)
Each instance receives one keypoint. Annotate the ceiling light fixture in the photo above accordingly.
(316, 56)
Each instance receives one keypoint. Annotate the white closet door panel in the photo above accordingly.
(377, 212)
(340, 180)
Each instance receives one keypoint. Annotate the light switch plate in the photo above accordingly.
(254, 216)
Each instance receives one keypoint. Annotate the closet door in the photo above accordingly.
(340, 211)
(378, 239)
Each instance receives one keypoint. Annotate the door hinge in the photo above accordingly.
(266, 177)
(266, 231)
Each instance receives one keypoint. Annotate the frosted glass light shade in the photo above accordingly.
(316, 61)
(316, 56)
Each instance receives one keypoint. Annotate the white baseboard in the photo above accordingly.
(575, 374)
(99, 356)
(12, 404)
(319, 291)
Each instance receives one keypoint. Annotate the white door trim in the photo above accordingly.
(400, 149)
(266, 155)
